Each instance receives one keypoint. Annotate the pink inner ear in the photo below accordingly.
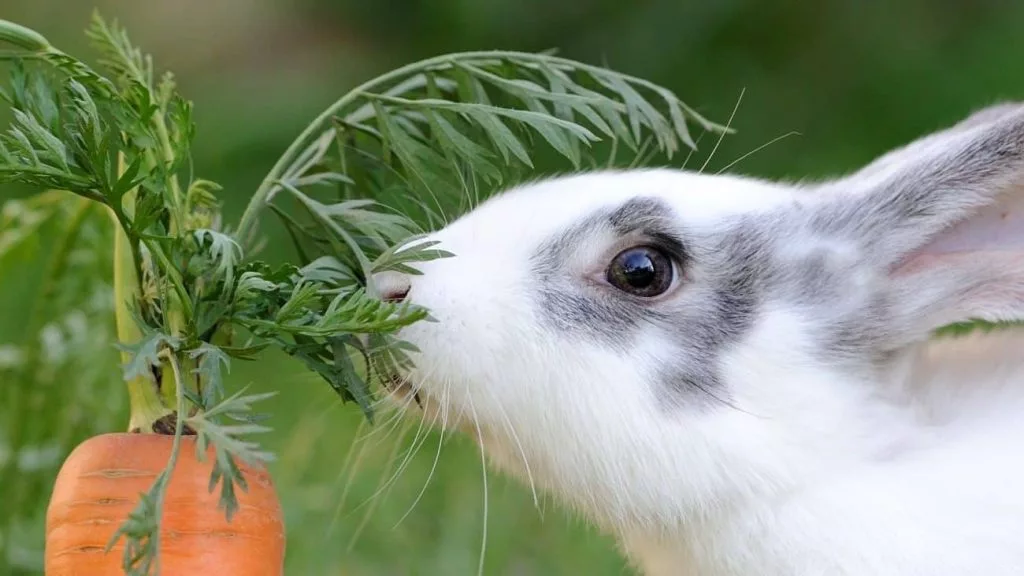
(996, 230)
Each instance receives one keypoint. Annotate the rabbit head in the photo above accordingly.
(655, 345)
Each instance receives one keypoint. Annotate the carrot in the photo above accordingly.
(99, 485)
(146, 491)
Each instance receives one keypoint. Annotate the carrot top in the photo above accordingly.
(188, 296)
(425, 139)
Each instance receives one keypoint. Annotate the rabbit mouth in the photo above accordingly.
(401, 388)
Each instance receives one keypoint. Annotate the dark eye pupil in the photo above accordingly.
(642, 271)
(638, 269)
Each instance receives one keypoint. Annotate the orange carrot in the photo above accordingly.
(100, 483)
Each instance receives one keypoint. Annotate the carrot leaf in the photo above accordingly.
(229, 443)
(212, 361)
(145, 354)
(141, 531)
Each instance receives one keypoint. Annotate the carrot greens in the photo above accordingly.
(112, 144)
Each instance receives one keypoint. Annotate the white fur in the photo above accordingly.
(928, 485)
(810, 470)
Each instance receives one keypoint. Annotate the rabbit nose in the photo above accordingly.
(392, 286)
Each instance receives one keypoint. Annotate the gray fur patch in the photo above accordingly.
(728, 277)
(828, 259)
(566, 305)
(699, 324)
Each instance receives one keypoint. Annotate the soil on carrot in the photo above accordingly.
(166, 426)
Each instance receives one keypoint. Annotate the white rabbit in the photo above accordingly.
(734, 376)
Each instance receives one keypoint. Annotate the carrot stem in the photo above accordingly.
(165, 476)
(144, 400)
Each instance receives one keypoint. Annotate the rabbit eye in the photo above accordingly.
(641, 271)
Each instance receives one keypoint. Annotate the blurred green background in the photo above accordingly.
(850, 78)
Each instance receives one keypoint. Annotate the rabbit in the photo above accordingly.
(736, 376)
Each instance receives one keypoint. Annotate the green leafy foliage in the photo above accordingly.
(229, 442)
(190, 297)
(145, 354)
(122, 143)
(142, 529)
(451, 130)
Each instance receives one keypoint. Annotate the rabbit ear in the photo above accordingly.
(944, 216)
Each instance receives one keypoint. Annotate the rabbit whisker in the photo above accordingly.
(437, 457)
(483, 468)
(722, 135)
